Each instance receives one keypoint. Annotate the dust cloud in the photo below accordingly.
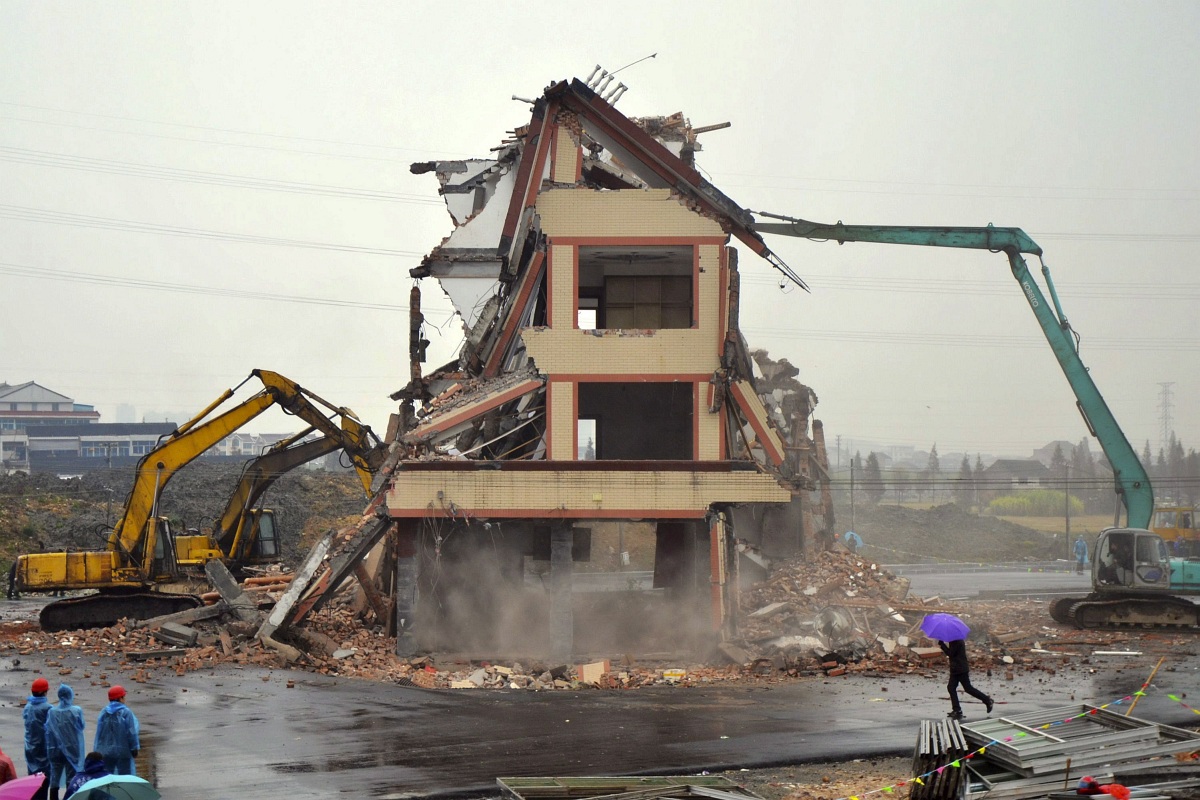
(484, 592)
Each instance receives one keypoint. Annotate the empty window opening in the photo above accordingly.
(586, 439)
(588, 314)
(638, 421)
(637, 287)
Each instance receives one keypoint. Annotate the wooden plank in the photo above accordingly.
(374, 599)
(226, 641)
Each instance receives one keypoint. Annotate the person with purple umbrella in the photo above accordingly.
(960, 675)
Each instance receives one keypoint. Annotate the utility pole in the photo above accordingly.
(839, 449)
(1067, 504)
(853, 525)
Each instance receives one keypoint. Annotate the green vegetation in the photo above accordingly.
(1034, 503)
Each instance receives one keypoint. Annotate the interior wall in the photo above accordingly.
(640, 421)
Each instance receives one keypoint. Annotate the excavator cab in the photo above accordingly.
(258, 540)
(163, 564)
(1131, 559)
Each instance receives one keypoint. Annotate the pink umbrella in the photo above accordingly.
(22, 788)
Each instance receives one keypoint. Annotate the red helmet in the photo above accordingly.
(116, 693)
(40, 685)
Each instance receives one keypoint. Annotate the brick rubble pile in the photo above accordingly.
(835, 615)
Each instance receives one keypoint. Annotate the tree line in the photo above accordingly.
(1085, 476)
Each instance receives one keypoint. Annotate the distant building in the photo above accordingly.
(246, 445)
(14, 453)
(29, 405)
(1045, 454)
(1020, 473)
(75, 449)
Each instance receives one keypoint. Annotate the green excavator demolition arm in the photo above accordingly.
(1132, 483)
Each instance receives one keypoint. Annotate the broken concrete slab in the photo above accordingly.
(735, 654)
(146, 655)
(242, 606)
(312, 562)
(767, 611)
(191, 615)
(175, 634)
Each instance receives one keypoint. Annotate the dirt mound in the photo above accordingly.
(43, 512)
(944, 534)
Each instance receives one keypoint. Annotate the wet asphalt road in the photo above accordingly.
(241, 733)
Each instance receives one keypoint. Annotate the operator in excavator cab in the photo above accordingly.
(1116, 567)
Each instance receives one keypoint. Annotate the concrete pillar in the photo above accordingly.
(562, 618)
(406, 589)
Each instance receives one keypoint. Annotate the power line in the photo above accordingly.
(84, 163)
(965, 339)
(132, 226)
(986, 190)
(169, 137)
(42, 273)
(209, 128)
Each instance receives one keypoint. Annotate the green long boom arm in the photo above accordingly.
(1132, 482)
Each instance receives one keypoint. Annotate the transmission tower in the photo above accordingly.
(1166, 424)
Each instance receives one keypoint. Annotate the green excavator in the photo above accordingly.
(1134, 582)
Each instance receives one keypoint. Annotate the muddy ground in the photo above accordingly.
(57, 514)
(823, 780)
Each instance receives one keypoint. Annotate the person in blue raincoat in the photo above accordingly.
(117, 734)
(1081, 554)
(853, 541)
(64, 740)
(93, 767)
(36, 709)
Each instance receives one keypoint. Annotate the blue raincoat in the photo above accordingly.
(117, 738)
(64, 737)
(36, 709)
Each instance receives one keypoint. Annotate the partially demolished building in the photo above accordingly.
(603, 378)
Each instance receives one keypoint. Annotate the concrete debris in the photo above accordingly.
(594, 672)
(176, 634)
(810, 627)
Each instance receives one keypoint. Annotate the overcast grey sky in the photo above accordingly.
(189, 191)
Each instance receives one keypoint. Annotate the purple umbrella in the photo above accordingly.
(946, 627)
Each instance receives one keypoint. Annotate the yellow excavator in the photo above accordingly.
(142, 556)
(245, 534)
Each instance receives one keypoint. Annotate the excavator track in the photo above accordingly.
(1062, 609)
(108, 608)
(1094, 612)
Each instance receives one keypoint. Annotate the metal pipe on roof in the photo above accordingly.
(608, 97)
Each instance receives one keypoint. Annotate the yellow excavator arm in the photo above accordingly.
(136, 535)
(235, 536)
